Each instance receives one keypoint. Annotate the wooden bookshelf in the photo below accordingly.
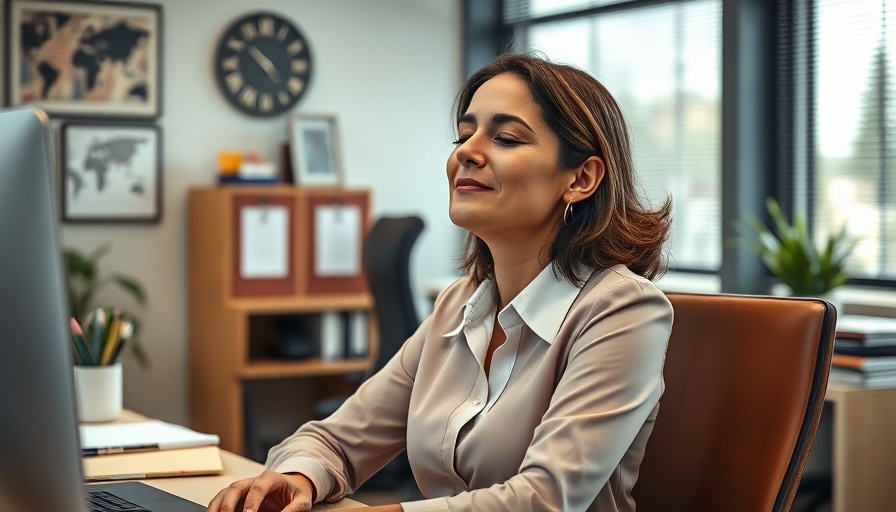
(225, 352)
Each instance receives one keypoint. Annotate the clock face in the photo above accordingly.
(263, 64)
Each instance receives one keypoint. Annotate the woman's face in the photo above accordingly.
(504, 174)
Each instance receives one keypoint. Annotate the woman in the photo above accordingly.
(535, 382)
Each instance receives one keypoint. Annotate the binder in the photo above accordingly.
(275, 285)
(322, 202)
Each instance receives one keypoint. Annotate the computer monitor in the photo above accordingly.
(41, 453)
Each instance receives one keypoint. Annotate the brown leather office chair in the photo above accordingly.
(745, 383)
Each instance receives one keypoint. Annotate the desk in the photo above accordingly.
(863, 448)
(201, 489)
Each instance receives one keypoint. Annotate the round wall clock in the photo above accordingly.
(263, 64)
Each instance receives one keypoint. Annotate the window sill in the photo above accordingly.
(856, 300)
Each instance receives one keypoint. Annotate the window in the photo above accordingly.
(852, 159)
(662, 63)
(832, 130)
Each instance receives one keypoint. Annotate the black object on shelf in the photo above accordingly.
(296, 337)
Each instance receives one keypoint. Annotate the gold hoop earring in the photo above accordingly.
(567, 212)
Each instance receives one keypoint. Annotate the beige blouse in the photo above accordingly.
(560, 423)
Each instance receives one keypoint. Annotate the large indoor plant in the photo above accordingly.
(84, 283)
(789, 252)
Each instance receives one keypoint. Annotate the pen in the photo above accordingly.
(89, 452)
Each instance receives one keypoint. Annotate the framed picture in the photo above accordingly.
(314, 149)
(111, 172)
(85, 59)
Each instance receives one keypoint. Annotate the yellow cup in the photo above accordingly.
(229, 162)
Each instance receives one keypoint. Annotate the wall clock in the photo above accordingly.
(263, 64)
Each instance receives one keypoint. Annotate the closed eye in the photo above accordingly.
(507, 141)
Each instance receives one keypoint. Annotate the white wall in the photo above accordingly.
(389, 69)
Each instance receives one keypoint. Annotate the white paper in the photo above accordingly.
(264, 237)
(332, 334)
(142, 433)
(869, 325)
(358, 337)
(337, 241)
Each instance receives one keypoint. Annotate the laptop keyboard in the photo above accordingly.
(103, 501)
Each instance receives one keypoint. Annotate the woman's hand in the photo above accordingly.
(269, 492)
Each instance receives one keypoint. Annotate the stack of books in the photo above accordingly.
(865, 351)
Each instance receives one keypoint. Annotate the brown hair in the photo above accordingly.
(611, 226)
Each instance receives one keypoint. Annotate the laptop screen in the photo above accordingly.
(40, 456)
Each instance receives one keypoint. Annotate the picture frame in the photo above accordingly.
(314, 150)
(85, 59)
(110, 173)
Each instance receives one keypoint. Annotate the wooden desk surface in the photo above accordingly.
(202, 489)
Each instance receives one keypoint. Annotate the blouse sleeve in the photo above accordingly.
(339, 453)
(611, 385)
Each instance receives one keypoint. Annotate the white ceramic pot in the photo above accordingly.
(98, 392)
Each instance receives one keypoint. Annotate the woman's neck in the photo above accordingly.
(515, 269)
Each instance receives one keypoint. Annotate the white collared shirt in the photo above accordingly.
(560, 423)
(540, 308)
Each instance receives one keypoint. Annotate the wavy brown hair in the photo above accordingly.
(613, 225)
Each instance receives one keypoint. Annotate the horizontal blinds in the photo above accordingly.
(662, 63)
(853, 127)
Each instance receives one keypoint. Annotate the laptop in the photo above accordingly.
(40, 462)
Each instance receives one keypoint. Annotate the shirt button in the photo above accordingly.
(477, 402)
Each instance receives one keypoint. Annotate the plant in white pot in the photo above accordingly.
(98, 378)
(84, 283)
(790, 254)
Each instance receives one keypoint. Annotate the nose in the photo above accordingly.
(470, 154)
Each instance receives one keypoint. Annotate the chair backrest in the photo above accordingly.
(387, 257)
(745, 383)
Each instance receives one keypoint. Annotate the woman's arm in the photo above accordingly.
(339, 453)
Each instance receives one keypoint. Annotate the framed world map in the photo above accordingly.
(85, 59)
(111, 172)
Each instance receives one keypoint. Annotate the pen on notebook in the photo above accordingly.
(86, 452)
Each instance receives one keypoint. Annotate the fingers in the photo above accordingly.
(258, 489)
(229, 498)
(247, 495)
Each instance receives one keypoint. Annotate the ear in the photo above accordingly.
(588, 177)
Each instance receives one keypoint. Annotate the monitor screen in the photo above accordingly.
(40, 465)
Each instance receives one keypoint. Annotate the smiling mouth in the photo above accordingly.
(469, 184)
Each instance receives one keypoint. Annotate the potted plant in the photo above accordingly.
(98, 375)
(85, 281)
(790, 254)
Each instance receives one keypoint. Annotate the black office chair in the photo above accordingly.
(387, 258)
(387, 261)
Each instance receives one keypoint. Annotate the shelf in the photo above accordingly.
(233, 321)
(300, 304)
(278, 368)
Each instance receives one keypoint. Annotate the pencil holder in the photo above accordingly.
(98, 392)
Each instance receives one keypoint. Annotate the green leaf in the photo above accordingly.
(789, 252)
(99, 252)
(132, 287)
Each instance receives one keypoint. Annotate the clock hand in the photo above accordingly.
(265, 63)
